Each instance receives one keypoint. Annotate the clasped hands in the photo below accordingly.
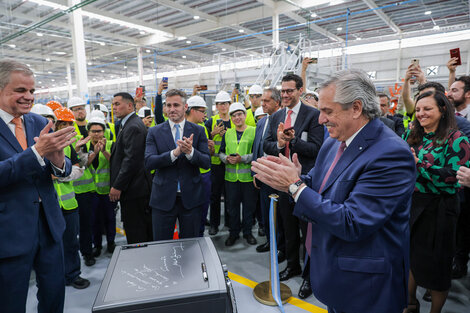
(284, 138)
(277, 172)
(184, 145)
(51, 145)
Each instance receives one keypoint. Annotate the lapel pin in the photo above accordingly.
(360, 148)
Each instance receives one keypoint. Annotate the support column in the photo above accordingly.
(275, 30)
(140, 66)
(79, 54)
(397, 76)
(69, 80)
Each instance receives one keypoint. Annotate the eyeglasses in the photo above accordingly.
(96, 131)
(200, 110)
(237, 114)
(255, 96)
(78, 109)
(308, 97)
(288, 91)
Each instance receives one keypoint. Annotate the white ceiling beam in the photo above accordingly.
(314, 27)
(371, 4)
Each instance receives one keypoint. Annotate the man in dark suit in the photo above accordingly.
(271, 103)
(294, 129)
(130, 182)
(176, 149)
(31, 222)
(397, 122)
(356, 199)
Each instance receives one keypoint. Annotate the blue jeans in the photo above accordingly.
(71, 246)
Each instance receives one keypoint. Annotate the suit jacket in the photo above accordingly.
(160, 142)
(360, 222)
(389, 123)
(23, 182)
(463, 124)
(308, 136)
(398, 122)
(258, 151)
(127, 160)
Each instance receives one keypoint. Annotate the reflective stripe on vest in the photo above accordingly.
(240, 171)
(84, 183)
(65, 190)
(203, 171)
(217, 140)
(101, 176)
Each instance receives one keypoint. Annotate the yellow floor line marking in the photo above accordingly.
(249, 283)
(292, 300)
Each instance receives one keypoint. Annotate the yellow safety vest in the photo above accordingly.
(65, 191)
(240, 171)
(217, 140)
(101, 175)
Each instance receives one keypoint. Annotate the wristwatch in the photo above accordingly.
(294, 187)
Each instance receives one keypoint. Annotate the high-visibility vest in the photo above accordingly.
(77, 130)
(101, 175)
(109, 131)
(203, 171)
(86, 182)
(250, 118)
(217, 140)
(65, 190)
(240, 171)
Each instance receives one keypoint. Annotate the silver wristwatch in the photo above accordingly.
(294, 187)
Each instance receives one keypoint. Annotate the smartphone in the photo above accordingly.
(415, 62)
(202, 87)
(233, 154)
(165, 80)
(287, 129)
(455, 53)
(139, 92)
(96, 107)
(313, 60)
(219, 121)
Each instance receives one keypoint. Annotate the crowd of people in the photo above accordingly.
(371, 200)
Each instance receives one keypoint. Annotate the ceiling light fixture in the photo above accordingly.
(223, 49)
(39, 34)
(436, 27)
(148, 51)
(12, 46)
(142, 32)
(196, 17)
(184, 57)
(188, 41)
(313, 14)
(48, 60)
(339, 28)
(181, 38)
(427, 12)
(241, 31)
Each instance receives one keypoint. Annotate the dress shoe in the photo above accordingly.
(111, 247)
(459, 270)
(79, 283)
(281, 256)
(305, 290)
(261, 232)
(213, 230)
(289, 273)
(96, 252)
(250, 239)
(89, 260)
(263, 248)
(230, 241)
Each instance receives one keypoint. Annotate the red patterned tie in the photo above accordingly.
(458, 114)
(19, 133)
(308, 239)
(287, 124)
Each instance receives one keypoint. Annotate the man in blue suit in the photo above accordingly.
(356, 199)
(31, 222)
(176, 149)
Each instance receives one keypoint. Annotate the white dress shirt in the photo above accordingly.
(173, 133)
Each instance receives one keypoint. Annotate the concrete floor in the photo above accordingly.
(243, 260)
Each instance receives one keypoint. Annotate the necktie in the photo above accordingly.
(19, 132)
(177, 137)
(287, 124)
(458, 114)
(308, 239)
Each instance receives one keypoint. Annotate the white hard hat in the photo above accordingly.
(311, 92)
(259, 111)
(98, 114)
(75, 102)
(255, 90)
(43, 110)
(143, 112)
(223, 96)
(96, 120)
(236, 106)
(102, 107)
(196, 102)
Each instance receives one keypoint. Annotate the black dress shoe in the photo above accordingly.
(261, 232)
(213, 230)
(96, 252)
(305, 290)
(289, 273)
(111, 247)
(263, 248)
(459, 270)
(89, 260)
(281, 256)
(250, 239)
(230, 241)
(79, 283)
